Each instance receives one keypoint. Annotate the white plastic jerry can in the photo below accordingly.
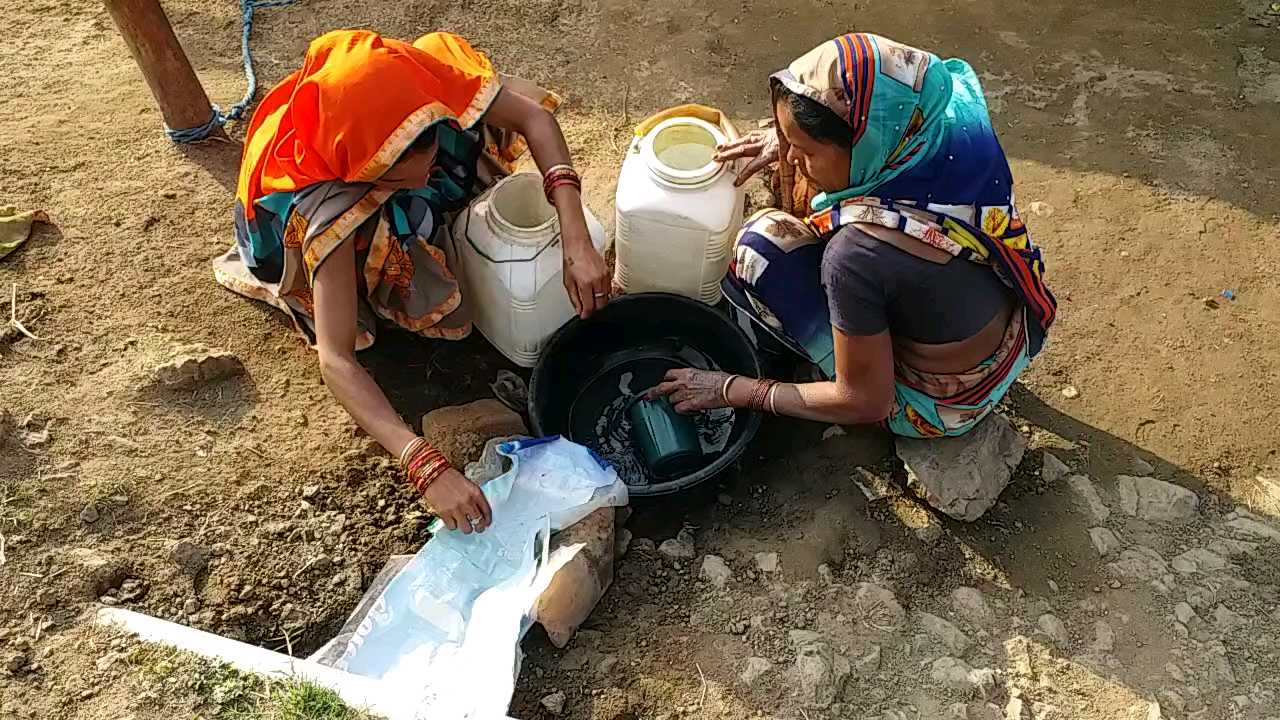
(505, 251)
(678, 211)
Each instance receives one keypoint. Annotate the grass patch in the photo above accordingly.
(225, 693)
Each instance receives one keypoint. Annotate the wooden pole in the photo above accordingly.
(154, 46)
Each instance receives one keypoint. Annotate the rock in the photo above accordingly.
(1086, 498)
(132, 590)
(644, 545)
(931, 532)
(1070, 392)
(1198, 560)
(767, 562)
(191, 606)
(1227, 547)
(15, 661)
(1139, 564)
(1104, 638)
(725, 499)
(880, 609)
(1054, 629)
(833, 431)
(1156, 500)
(963, 476)
(97, 574)
(957, 711)
(1017, 650)
(801, 638)
(756, 668)
(1184, 613)
(679, 547)
(945, 634)
(195, 365)
(554, 703)
(972, 607)
(1253, 529)
(461, 431)
(576, 588)
(621, 542)
(1104, 541)
(1143, 468)
(869, 663)
(715, 571)
(820, 675)
(1172, 699)
(1052, 469)
(1226, 619)
(191, 558)
(89, 514)
(951, 672)
(1013, 709)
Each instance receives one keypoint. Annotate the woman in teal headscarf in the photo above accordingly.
(897, 264)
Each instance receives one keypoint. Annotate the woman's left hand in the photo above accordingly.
(586, 277)
(691, 390)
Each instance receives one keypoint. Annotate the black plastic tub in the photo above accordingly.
(638, 338)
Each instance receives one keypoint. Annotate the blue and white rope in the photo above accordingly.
(220, 118)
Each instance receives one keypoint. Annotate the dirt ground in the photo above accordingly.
(1143, 138)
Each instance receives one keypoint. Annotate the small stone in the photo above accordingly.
(1104, 540)
(1013, 709)
(945, 633)
(89, 514)
(767, 562)
(1054, 629)
(97, 573)
(725, 499)
(972, 607)
(1052, 469)
(108, 601)
(1198, 560)
(195, 365)
(191, 558)
(554, 703)
(1156, 500)
(715, 571)
(869, 662)
(621, 542)
(820, 675)
(1253, 529)
(1226, 619)
(14, 661)
(1184, 613)
(755, 669)
(132, 590)
(833, 431)
(1142, 467)
(644, 545)
(1070, 392)
(679, 547)
(1053, 587)
(958, 711)
(963, 476)
(191, 606)
(951, 672)
(1087, 499)
(1104, 638)
(310, 491)
(879, 606)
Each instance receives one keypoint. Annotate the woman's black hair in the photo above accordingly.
(817, 120)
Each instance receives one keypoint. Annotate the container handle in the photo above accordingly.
(466, 234)
(701, 112)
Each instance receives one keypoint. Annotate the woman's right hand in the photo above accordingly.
(458, 502)
(761, 147)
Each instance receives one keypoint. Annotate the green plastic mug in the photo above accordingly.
(667, 440)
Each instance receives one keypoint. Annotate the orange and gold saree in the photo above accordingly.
(317, 145)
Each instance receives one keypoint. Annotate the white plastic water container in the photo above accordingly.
(677, 212)
(505, 251)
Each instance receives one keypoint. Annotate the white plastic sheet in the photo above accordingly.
(444, 635)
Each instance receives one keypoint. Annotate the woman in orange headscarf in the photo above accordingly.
(351, 168)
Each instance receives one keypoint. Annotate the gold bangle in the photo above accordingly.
(724, 390)
(773, 394)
